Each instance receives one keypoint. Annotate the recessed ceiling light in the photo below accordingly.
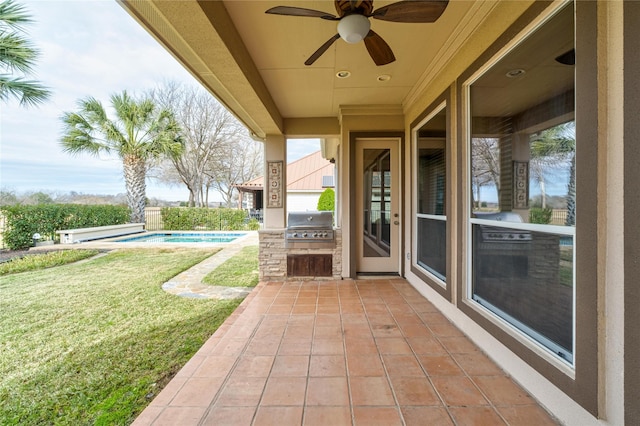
(384, 77)
(515, 73)
(343, 74)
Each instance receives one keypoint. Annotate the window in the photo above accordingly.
(522, 187)
(377, 202)
(431, 185)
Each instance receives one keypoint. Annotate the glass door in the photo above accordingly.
(378, 215)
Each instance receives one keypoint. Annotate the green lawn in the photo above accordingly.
(45, 260)
(94, 342)
(239, 271)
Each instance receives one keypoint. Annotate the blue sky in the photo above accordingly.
(88, 48)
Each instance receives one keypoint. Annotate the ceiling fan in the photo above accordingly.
(353, 22)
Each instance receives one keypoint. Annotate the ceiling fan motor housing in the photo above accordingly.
(353, 28)
(354, 25)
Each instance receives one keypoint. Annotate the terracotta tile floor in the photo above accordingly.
(365, 352)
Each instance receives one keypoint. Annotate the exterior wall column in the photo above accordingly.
(520, 152)
(275, 149)
(628, 298)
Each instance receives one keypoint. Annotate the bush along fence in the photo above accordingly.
(204, 219)
(21, 223)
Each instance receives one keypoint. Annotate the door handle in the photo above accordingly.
(395, 222)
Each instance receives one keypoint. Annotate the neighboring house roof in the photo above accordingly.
(304, 174)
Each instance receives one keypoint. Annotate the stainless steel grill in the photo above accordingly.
(499, 234)
(310, 230)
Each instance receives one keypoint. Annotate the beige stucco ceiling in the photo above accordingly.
(254, 62)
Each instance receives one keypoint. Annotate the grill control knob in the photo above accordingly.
(304, 234)
(295, 234)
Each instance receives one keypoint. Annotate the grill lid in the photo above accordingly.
(310, 220)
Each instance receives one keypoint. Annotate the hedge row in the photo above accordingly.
(203, 219)
(21, 222)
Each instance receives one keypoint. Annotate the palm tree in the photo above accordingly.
(17, 55)
(553, 148)
(141, 133)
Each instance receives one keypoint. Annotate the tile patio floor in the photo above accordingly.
(365, 352)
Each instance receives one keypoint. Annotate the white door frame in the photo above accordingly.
(388, 261)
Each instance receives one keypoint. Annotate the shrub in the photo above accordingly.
(23, 221)
(203, 219)
(327, 200)
(253, 225)
(540, 215)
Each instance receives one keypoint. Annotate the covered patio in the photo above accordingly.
(443, 163)
(361, 352)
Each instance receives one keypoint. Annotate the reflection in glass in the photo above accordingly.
(553, 175)
(523, 189)
(432, 246)
(431, 178)
(431, 191)
(526, 277)
(377, 202)
(546, 181)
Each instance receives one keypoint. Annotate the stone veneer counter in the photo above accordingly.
(273, 256)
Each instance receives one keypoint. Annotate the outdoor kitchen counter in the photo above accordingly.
(275, 257)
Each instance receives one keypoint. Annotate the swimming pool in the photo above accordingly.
(184, 237)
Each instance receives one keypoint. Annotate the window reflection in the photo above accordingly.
(522, 187)
(377, 203)
(431, 221)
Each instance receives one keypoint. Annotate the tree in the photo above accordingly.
(218, 152)
(140, 134)
(552, 149)
(327, 200)
(17, 56)
(8, 198)
(485, 165)
(241, 162)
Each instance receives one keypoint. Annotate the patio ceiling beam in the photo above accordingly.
(203, 38)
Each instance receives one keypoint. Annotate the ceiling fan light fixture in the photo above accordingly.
(353, 28)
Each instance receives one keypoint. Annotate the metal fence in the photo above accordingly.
(559, 217)
(153, 219)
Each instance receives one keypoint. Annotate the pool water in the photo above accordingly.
(183, 237)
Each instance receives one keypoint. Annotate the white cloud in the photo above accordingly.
(88, 48)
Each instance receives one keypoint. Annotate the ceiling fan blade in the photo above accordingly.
(417, 11)
(321, 50)
(301, 11)
(379, 50)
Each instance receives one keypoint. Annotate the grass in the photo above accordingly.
(44, 260)
(239, 271)
(94, 342)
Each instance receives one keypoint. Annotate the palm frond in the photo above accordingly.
(13, 15)
(83, 129)
(16, 53)
(27, 92)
